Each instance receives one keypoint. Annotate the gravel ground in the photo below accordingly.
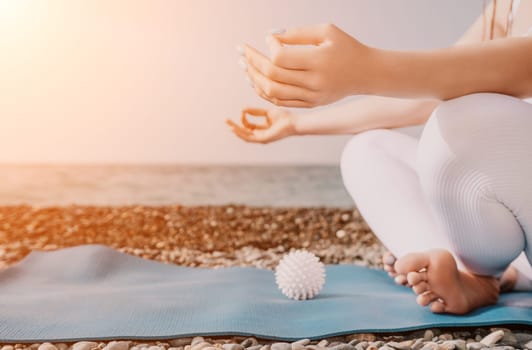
(230, 235)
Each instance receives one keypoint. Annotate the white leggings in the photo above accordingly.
(465, 186)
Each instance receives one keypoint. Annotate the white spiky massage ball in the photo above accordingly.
(300, 275)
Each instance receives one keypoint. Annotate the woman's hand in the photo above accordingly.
(282, 125)
(331, 66)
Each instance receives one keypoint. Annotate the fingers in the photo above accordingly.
(276, 92)
(290, 57)
(273, 71)
(256, 136)
(257, 112)
(310, 35)
(238, 130)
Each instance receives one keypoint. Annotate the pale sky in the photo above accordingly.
(151, 81)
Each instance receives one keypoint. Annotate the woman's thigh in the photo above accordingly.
(379, 171)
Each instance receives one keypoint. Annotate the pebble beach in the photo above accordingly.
(221, 236)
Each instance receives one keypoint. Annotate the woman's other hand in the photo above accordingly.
(282, 125)
(310, 66)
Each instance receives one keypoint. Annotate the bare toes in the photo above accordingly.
(412, 262)
(400, 279)
(389, 268)
(414, 278)
(426, 298)
(437, 306)
(388, 259)
(420, 288)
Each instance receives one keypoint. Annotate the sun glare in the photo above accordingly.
(14, 15)
(11, 8)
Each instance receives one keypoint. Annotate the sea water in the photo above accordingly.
(48, 185)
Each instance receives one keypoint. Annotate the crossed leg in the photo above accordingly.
(381, 172)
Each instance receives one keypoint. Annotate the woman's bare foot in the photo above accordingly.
(388, 260)
(436, 280)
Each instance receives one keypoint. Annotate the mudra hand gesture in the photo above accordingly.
(309, 66)
(279, 124)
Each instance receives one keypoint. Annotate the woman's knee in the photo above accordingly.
(467, 124)
(459, 136)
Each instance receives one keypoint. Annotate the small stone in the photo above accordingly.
(342, 347)
(201, 345)
(197, 340)
(475, 346)
(173, 348)
(362, 345)
(61, 346)
(323, 343)
(265, 347)
(7, 347)
(505, 347)
(369, 337)
(509, 339)
(340, 234)
(528, 345)
(418, 344)
(446, 336)
(354, 342)
(428, 335)
(232, 346)
(84, 345)
(523, 338)
(377, 343)
(47, 346)
(315, 347)
(249, 341)
(345, 217)
(154, 347)
(458, 344)
(493, 338)
(385, 347)
(281, 346)
(404, 345)
(180, 342)
(302, 342)
(430, 345)
(117, 345)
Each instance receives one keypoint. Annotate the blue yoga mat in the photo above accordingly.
(94, 292)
